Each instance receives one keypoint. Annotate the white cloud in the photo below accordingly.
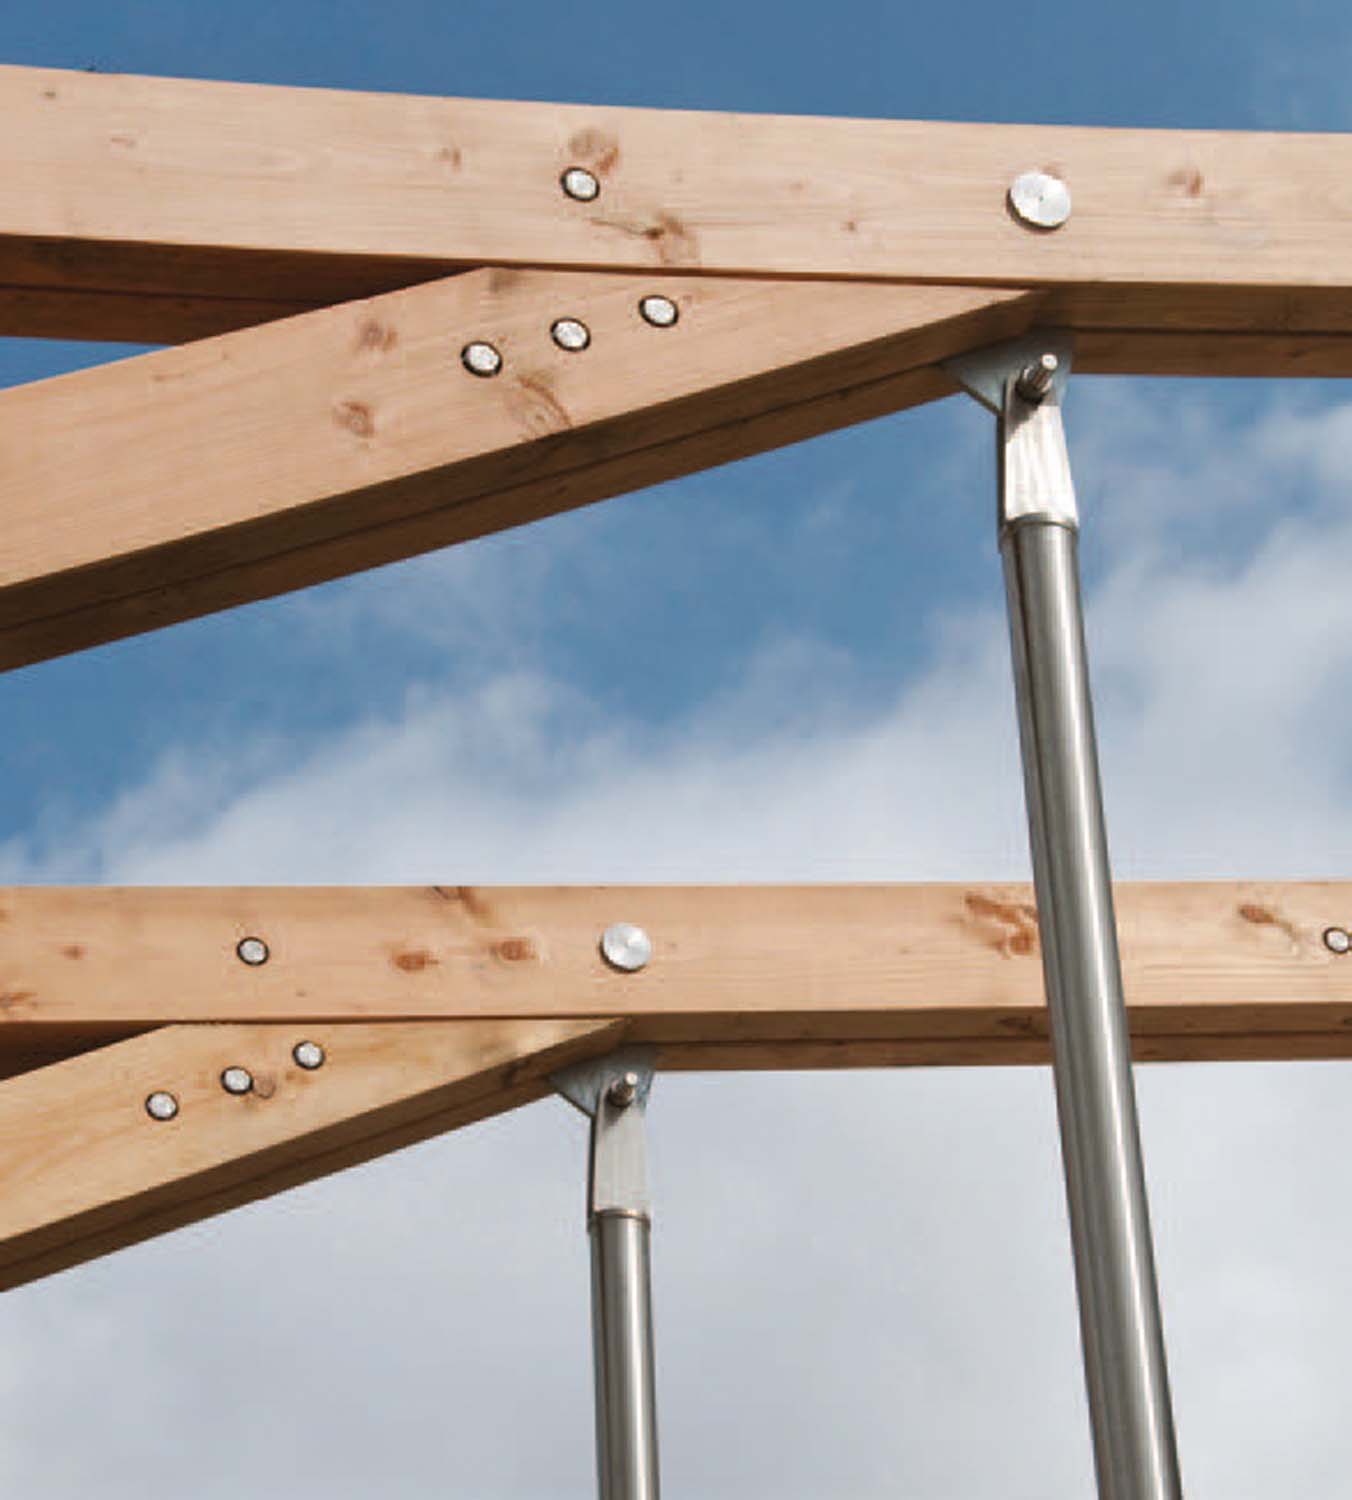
(864, 1286)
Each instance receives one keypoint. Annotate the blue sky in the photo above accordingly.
(627, 591)
(791, 668)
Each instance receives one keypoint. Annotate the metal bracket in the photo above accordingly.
(612, 1091)
(1023, 382)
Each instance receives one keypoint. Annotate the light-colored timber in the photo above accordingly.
(742, 976)
(155, 488)
(85, 1170)
(332, 253)
(198, 198)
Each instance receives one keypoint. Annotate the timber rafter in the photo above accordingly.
(157, 209)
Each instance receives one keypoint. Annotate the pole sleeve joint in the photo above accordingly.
(612, 1091)
(1023, 382)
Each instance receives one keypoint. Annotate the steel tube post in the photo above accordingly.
(613, 1093)
(622, 1330)
(1120, 1322)
(1134, 1447)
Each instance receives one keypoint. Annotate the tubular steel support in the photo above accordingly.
(613, 1092)
(1126, 1373)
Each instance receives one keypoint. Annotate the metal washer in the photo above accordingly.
(626, 947)
(1040, 200)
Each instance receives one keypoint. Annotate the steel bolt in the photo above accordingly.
(626, 947)
(661, 312)
(1040, 200)
(237, 1080)
(570, 334)
(161, 1105)
(481, 359)
(308, 1055)
(623, 1091)
(1337, 939)
(1035, 381)
(252, 951)
(581, 184)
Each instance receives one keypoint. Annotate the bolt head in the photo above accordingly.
(570, 334)
(308, 1055)
(661, 312)
(623, 1091)
(581, 184)
(1337, 939)
(1036, 380)
(252, 951)
(237, 1080)
(1040, 200)
(626, 947)
(161, 1105)
(481, 359)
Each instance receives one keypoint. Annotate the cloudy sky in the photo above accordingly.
(791, 668)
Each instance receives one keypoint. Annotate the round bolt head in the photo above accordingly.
(237, 1080)
(570, 334)
(661, 312)
(1036, 380)
(626, 947)
(481, 359)
(308, 1055)
(623, 1091)
(161, 1105)
(1040, 200)
(1337, 939)
(252, 951)
(581, 184)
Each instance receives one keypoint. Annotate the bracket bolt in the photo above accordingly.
(661, 312)
(623, 1091)
(626, 947)
(481, 359)
(570, 334)
(1035, 381)
(252, 951)
(237, 1080)
(161, 1105)
(308, 1055)
(1337, 939)
(581, 184)
(1040, 200)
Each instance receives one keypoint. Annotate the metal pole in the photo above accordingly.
(622, 1330)
(1126, 1374)
(613, 1092)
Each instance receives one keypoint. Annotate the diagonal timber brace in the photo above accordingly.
(163, 487)
(87, 1169)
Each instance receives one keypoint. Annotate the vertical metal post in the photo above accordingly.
(1134, 1448)
(613, 1093)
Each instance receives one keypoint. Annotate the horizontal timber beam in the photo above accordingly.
(742, 976)
(157, 488)
(85, 1170)
(161, 209)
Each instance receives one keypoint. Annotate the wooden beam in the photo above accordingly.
(180, 192)
(116, 317)
(742, 975)
(84, 1169)
(158, 488)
